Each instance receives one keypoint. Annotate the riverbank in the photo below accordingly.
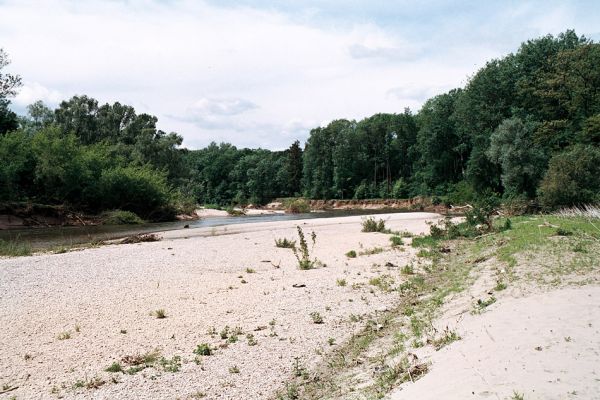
(68, 317)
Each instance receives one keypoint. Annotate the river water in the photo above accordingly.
(42, 238)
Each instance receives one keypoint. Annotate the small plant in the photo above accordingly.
(383, 282)
(77, 328)
(351, 254)
(224, 332)
(316, 317)
(481, 305)
(407, 270)
(372, 251)
(64, 335)
(172, 365)
(303, 255)
(203, 349)
(234, 369)
(341, 282)
(563, 232)
(160, 313)
(370, 224)
(447, 337)
(114, 367)
(331, 341)
(299, 370)
(500, 286)
(251, 340)
(250, 271)
(517, 396)
(396, 241)
(285, 243)
(123, 331)
(120, 217)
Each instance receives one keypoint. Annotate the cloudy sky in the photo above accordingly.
(263, 73)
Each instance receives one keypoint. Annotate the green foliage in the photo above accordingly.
(141, 190)
(203, 349)
(396, 241)
(573, 178)
(120, 217)
(297, 206)
(370, 224)
(316, 317)
(303, 254)
(351, 254)
(285, 243)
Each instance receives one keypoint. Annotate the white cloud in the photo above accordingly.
(31, 92)
(205, 69)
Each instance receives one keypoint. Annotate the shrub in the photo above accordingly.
(351, 254)
(141, 190)
(120, 217)
(285, 243)
(298, 206)
(572, 178)
(316, 317)
(370, 224)
(203, 349)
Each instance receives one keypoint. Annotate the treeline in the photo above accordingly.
(526, 126)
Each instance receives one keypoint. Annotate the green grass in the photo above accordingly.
(114, 367)
(15, 248)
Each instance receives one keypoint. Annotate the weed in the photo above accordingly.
(340, 282)
(224, 332)
(371, 251)
(396, 241)
(370, 224)
(316, 317)
(160, 313)
(303, 255)
(123, 331)
(500, 286)
(351, 254)
(251, 340)
(517, 396)
(234, 369)
(481, 305)
(77, 328)
(203, 349)
(447, 337)
(407, 269)
(563, 232)
(14, 248)
(285, 243)
(172, 365)
(331, 341)
(64, 335)
(383, 282)
(114, 367)
(250, 271)
(120, 217)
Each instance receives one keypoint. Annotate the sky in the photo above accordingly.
(263, 73)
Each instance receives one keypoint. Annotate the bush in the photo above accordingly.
(573, 178)
(141, 190)
(370, 224)
(303, 254)
(298, 206)
(120, 217)
(351, 254)
(396, 241)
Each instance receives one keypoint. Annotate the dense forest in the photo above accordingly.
(526, 126)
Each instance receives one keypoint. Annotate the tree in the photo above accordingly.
(522, 163)
(294, 168)
(572, 178)
(8, 82)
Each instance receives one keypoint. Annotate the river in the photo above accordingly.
(44, 238)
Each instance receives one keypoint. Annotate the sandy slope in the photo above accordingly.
(196, 276)
(545, 346)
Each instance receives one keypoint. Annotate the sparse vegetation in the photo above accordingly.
(340, 282)
(120, 217)
(114, 367)
(160, 313)
(316, 317)
(203, 349)
(351, 254)
(64, 335)
(371, 251)
(396, 241)
(15, 248)
(234, 369)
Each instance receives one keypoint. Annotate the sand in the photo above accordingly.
(544, 346)
(104, 299)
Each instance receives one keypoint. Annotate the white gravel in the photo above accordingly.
(194, 275)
